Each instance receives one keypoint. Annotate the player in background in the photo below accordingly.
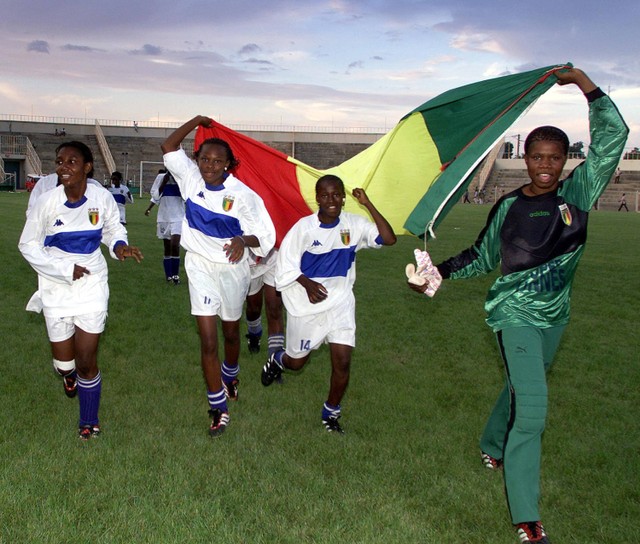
(262, 288)
(166, 194)
(121, 195)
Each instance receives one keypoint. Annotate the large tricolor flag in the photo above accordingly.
(415, 172)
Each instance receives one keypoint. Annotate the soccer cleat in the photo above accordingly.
(231, 389)
(219, 421)
(532, 531)
(490, 462)
(332, 425)
(87, 432)
(70, 384)
(271, 371)
(253, 341)
(176, 280)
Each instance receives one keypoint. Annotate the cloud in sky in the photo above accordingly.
(39, 46)
(301, 62)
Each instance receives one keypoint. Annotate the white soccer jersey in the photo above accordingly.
(170, 203)
(121, 195)
(215, 214)
(323, 253)
(47, 183)
(59, 235)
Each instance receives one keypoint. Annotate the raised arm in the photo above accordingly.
(384, 228)
(173, 141)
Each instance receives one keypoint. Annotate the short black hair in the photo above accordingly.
(84, 149)
(329, 178)
(233, 162)
(116, 175)
(547, 133)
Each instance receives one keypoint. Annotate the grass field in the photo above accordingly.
(425, 375)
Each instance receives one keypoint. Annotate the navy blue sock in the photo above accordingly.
(218, 400)
(230, 372)
(330, 411)
(175, 266)
(276, 343)
(89, 392)
(166, 262)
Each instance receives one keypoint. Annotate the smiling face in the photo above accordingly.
(545, 160)
(330, 198)
(71, 168)
(212, 161)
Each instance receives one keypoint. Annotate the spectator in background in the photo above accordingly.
(623, 202)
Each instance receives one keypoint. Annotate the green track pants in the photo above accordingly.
(514, 430)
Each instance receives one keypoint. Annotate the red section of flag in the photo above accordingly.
(267, 171)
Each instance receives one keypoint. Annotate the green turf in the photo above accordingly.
(425, 374)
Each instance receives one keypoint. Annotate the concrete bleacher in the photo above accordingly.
(139, 150)
(503, 181)
(132, 150)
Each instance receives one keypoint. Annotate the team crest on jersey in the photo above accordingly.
(565, 212)
(345, 236)
(227, 203)
(94, 216)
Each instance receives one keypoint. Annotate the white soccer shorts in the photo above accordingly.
(217, 288)
(166, 230)
(334, 326)
(60, 329)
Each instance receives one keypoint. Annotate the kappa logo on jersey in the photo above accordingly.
(565, 212)
(94, 216)
(345, 236)
(316, 243)
(227, 203)
(201, 194)
(58, 223)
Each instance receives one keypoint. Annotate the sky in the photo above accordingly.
(322, 63)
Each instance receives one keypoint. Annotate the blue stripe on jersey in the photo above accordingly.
(120, 199)
(216, 225)
(83, 242)
(336, 262)
(171, 189)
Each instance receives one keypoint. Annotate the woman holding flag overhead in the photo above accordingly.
(537, 235)
(223, 217)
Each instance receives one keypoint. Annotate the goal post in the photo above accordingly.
(148, 173)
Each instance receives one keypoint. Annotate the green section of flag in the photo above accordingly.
(465, 123)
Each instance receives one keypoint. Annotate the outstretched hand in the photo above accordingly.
(125, 252)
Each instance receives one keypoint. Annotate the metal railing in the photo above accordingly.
(21, 147)
(34, 164)
(104, 149)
